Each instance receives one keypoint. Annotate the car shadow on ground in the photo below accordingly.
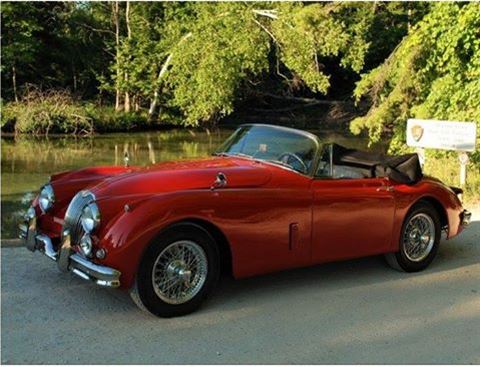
(462, 251)
(453, 254)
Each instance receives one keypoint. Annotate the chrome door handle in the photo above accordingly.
(220, 181)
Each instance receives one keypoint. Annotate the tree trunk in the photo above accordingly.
(154, 103)
(135, 103)
(156, 93)
(74, 72)
(116, 18)
(129, 35)
(14, 82)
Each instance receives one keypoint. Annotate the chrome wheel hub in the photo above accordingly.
(418, 237)
(180, 272)
(178, 269)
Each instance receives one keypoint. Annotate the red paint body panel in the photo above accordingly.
(258, 209)
(351, 218)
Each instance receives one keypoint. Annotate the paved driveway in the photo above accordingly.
(351, 312)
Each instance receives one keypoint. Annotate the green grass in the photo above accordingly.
(447, 169)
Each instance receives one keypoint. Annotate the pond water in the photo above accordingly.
(27, 163)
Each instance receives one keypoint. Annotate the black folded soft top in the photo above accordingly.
(402, 168)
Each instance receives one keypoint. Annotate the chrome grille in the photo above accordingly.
(72, 221)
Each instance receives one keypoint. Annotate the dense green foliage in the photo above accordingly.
(83, 66)
(78, 67)
(434, 73)
(192, 63)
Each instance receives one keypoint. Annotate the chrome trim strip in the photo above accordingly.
(72, 220)
(101, 275)
(81, 274)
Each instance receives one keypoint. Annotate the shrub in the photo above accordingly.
(106, 119)
(44, 112)
(56, 111)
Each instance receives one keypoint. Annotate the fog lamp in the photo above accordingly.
(101, 253)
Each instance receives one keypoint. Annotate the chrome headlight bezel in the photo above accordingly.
(90, 218)
(46, 198)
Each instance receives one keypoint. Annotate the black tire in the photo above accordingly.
(400, 260)
(143, 292)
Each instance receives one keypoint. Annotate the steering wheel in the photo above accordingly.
(289, 155)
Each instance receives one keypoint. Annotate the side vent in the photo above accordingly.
(293, 243)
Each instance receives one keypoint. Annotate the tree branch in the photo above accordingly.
(161, 73)
(266, 13)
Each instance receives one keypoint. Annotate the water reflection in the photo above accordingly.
(27, 163)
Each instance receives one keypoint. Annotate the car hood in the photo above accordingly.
(184, 175)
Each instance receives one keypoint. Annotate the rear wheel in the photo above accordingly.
(419, 239)
(177, 272)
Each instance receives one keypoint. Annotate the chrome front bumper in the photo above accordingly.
(66, 258)
(465, 217)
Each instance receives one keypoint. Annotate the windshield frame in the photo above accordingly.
(315, 138)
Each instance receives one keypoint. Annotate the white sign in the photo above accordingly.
(448, 135)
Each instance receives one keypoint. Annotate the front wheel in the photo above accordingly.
(419, 239)
(177, 271)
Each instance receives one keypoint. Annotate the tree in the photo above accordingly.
(198, 61)
(19, 46)
(433, 73)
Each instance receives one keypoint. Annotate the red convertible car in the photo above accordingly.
(270, 198)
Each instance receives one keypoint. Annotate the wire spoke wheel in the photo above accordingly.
(418, 237)
(179, 272)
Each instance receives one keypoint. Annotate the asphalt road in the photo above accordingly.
(351, 312)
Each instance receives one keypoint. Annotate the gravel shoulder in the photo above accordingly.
(357, 311)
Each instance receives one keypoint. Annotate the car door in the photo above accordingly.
(268, 229)
(351, 217)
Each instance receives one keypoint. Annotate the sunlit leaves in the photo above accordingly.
(434, 73)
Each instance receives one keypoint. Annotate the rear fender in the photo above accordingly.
(434, 192)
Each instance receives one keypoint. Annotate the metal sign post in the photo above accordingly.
(463, 158)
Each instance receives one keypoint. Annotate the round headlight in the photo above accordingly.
(90, 217)
(86, 245)
(46, 198)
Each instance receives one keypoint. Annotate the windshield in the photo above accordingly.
(288, 147)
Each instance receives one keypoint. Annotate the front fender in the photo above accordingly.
(128, 233)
